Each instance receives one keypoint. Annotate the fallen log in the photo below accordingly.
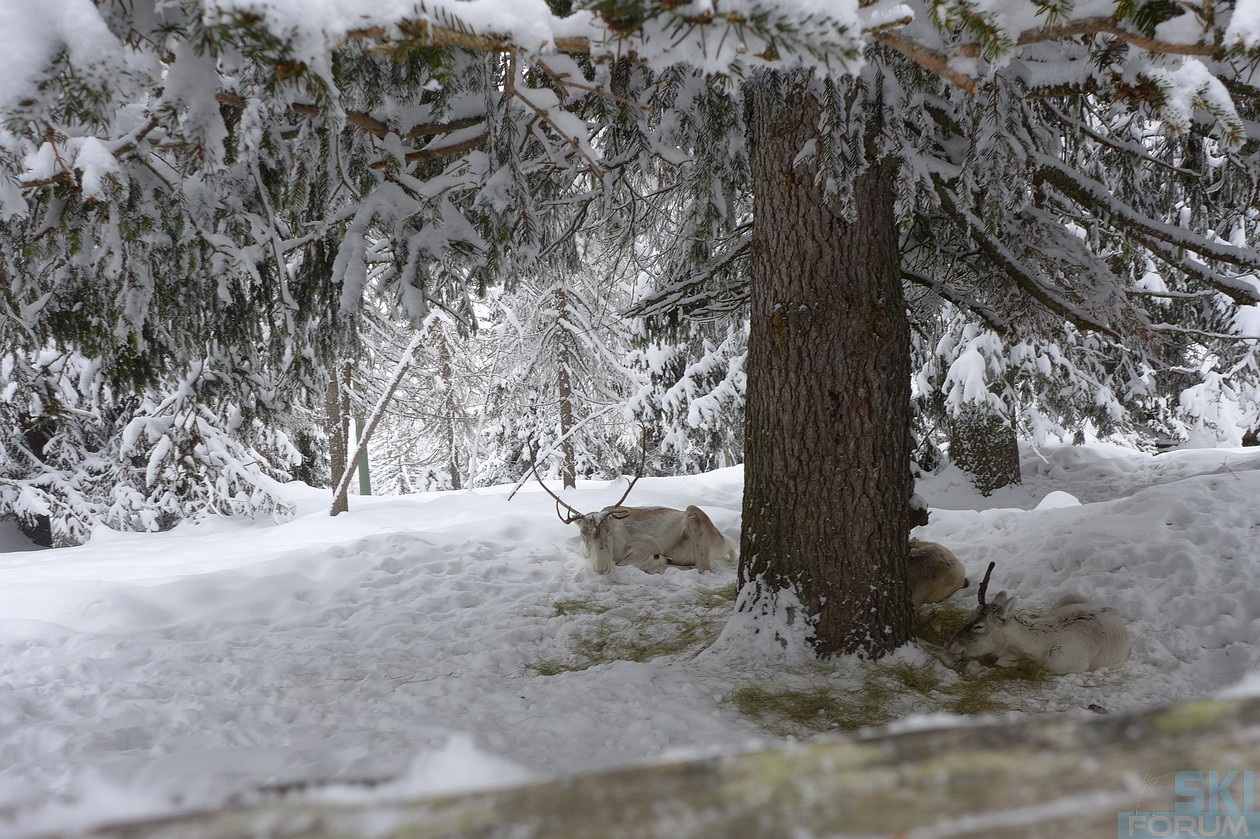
(1044, 777)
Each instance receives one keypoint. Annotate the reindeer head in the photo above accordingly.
(984, 637)
(591, 525)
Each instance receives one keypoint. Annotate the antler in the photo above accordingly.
(639, 474)
(575, 514)
(984, 584)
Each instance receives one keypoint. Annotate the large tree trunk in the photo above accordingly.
(827, 477)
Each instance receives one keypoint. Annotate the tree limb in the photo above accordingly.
(1023, 278)
(986, 313)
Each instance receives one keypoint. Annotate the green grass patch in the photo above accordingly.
(832, 700)
(994, 690)
(917, 678)
(643, 638)
(548, 667)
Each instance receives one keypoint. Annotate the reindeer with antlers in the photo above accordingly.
(649, 538)
(1074, 637)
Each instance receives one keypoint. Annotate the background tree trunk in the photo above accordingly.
(341, 492)
(827, 477)
(564, 386)
(447, 372)
(984, 445)
(337, 410)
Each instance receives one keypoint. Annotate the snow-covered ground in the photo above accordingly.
(455, 640)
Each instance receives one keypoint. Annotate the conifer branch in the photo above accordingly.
(691, 292)
(1233, 288)
(364, 120)
(930, 60)
(986, 313)
(1168, 328)
(939, 63)
(1009, 264)
(565, 80)
(1089, 193)
(1103, 26)
(1133, 150)
(1170, 295)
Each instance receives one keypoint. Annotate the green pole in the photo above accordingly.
(365, 475)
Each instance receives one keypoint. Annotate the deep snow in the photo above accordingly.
(426, 644)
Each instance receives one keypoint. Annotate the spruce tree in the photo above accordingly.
(1038, 156)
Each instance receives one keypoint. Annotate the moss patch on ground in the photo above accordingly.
(844, 697)
(644, 627)
(805, 699)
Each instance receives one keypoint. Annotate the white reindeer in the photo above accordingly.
(1074, 637)
(935, 573)
(649, 538)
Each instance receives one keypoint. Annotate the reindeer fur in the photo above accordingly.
(651, 538)
(1074, 637)
(935, 573)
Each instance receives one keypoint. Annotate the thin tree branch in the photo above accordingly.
(1199, 333)
(1086, 192)
(930, 60)
(986, 313)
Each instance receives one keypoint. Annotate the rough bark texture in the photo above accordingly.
(826, 471)
(984, 445)
(1049, 778)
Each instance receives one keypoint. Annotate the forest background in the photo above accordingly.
(723, 232)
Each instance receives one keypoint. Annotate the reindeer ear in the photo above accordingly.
(1003, 604)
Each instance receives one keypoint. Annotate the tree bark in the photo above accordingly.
(827, 477)
(984, 445)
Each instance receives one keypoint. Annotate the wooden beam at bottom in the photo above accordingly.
(1046, 777)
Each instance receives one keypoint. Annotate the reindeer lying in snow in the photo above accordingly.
(649, 538)
(935, 573)
(1074, 637)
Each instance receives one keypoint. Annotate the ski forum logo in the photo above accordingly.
(1207, 804)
